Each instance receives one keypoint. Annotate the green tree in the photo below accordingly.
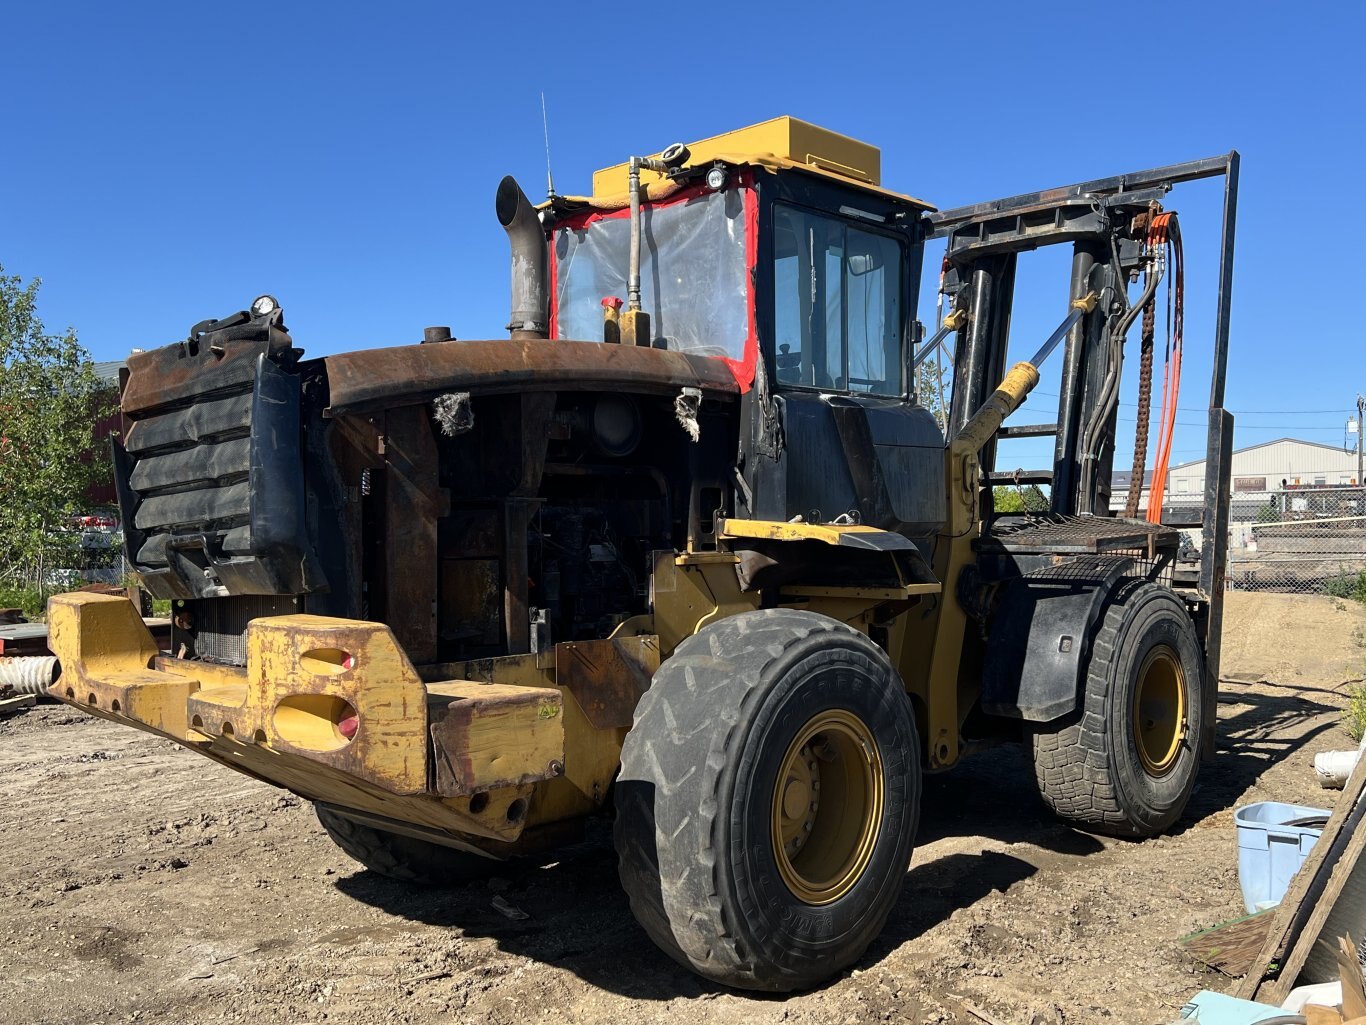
(50, 400)
(1023, 498)
(931, 389)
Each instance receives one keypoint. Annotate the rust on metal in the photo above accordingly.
(174, 373)
(379, 378)
(412, 504)
(356, 443)
(487, 736)
(607, 677)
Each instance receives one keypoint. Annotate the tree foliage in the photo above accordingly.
(50, 400)
(931, 390)
(1026, 498)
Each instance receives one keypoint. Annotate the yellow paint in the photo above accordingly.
(633, 328)
(105, 652)
(928, 649)
(787, 137)
(689, 593)
(1160, 724)
(1086, 303)
(774, 530)
(1012, 390)
(296, 688)
(858, 612)
(506, 734)
(864, 594)
(275, 720)
(319, 781)
(827, 807)
(783, 143)
(591, 756)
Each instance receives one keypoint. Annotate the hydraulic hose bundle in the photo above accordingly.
(1165, 231)
(1093, 432)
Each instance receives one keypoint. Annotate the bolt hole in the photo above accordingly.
(259, 737)
(115, 706)
(517, 810)
(70, 693)
(197, 721)
(478, 803)
(227, 730)
(91, 700)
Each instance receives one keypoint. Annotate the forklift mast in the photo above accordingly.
(1097, 218)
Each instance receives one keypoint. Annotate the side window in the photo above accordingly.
(837, 305)
(873, 324)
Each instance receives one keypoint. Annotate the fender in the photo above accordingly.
(849, 556)
(1041, 632)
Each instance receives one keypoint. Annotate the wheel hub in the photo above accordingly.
(1160, 721)
(827, 806)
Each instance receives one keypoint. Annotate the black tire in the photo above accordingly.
(698, 808)
(404, 858)
(1095, 769)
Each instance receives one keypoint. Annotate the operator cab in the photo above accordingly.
(775, 249)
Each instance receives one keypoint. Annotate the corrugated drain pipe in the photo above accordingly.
(29, 674)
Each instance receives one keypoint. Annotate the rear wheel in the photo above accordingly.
(404, 858)
(1127, 762)
(768, 799)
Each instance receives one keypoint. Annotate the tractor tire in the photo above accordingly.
(1125, 763)
(404, 858)
(768, 800)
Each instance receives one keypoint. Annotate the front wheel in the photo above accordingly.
(768, 800)
(1126, 762)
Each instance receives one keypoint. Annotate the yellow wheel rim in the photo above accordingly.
(827, 807)
(1160, 711)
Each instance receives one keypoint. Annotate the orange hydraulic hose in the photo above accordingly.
(1166, 231)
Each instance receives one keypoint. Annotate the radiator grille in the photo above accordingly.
(220, 624)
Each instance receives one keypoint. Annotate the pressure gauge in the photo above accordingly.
(264, 306)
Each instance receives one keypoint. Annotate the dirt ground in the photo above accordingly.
(143, 883)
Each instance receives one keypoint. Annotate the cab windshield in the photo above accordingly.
(837, 304)
(693, 273)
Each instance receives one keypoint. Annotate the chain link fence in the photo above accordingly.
(1304, 540)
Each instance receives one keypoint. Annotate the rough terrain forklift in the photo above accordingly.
(685, 549)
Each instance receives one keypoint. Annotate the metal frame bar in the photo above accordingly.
(1026, 234)
(944, 221)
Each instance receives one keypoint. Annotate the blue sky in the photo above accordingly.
(167, 163)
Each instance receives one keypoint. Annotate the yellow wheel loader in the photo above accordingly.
(686, 549)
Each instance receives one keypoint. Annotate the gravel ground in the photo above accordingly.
(144, 883)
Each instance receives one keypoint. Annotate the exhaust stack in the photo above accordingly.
(530, 288)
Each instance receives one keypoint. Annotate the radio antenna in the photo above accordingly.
(549, 178)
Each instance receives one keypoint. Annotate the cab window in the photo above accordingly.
(837, 304)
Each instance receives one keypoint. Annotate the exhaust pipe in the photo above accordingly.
(530, 288)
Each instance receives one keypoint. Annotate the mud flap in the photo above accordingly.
(1040, 635)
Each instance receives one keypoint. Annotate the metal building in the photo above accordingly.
(1258, 472)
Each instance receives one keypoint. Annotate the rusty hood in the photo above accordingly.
(410, 374)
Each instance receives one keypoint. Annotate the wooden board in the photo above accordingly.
(1231, 947)
(1309, 898)
(1347, 915)
(1313, 931)
(13, 704)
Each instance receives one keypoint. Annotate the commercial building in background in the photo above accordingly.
(1259, 472)
(1297, 519)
